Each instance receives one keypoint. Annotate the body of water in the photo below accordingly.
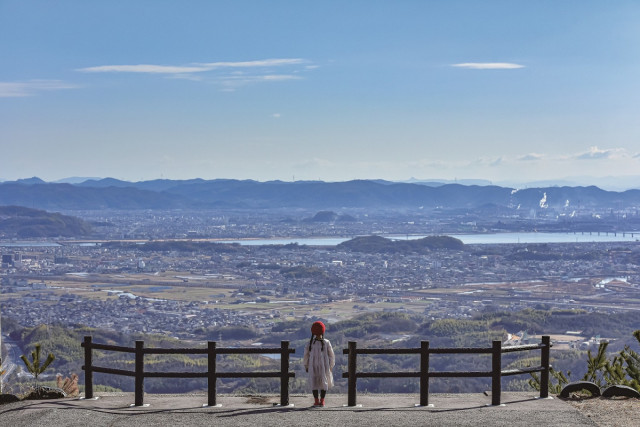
(586, 237)
(29, 244)
(311, 241)
(469, 239)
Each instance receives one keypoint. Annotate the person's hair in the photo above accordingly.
(316, 339)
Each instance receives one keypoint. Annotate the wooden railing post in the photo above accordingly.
(211, 373)
(351, 388)
(88, 371)
(284, 373)
(424, 373)
(496, 373)
(544, 362)
(139, 377)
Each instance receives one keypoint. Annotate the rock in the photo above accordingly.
(43, 392)
(620, 391)
(8, 398)
(577, 386)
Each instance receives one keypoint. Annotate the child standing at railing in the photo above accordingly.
(319, 361)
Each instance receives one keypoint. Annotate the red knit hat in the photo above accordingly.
(318, 328)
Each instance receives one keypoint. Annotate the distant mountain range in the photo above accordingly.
(111, 193)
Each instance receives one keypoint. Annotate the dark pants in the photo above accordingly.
(323, 393)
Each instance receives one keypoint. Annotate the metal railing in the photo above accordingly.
(496, 373)
(212, 374)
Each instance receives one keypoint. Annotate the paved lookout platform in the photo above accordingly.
(518, 409)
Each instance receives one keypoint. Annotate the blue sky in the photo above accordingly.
(332, 90)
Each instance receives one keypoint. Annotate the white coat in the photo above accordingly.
(319, 363)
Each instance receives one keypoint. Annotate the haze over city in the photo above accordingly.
(502, 91)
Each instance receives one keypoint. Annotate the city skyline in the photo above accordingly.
(502, 91)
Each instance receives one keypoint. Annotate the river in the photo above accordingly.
(469, 239)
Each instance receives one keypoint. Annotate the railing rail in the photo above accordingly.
(496, 373)
(424, 374)
(212, 375)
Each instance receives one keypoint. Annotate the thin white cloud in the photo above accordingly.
(279, 77)
(143, 68)
(276, 115)
(32, 87)
(538, 163)
(140, 68)
(191, 68)
(230, 83)
(228, 75)
(497, 162)
(531, 157)
(276, 62)
(186, 76)
(488, 161)
(595, 153)
(488, 65)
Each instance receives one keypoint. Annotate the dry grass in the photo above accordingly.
(610, 412)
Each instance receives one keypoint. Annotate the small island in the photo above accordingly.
(378, 244)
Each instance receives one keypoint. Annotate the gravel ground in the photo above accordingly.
(610, 412)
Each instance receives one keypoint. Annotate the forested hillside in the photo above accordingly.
(369, 330)
(378, 244)
(20, 222)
